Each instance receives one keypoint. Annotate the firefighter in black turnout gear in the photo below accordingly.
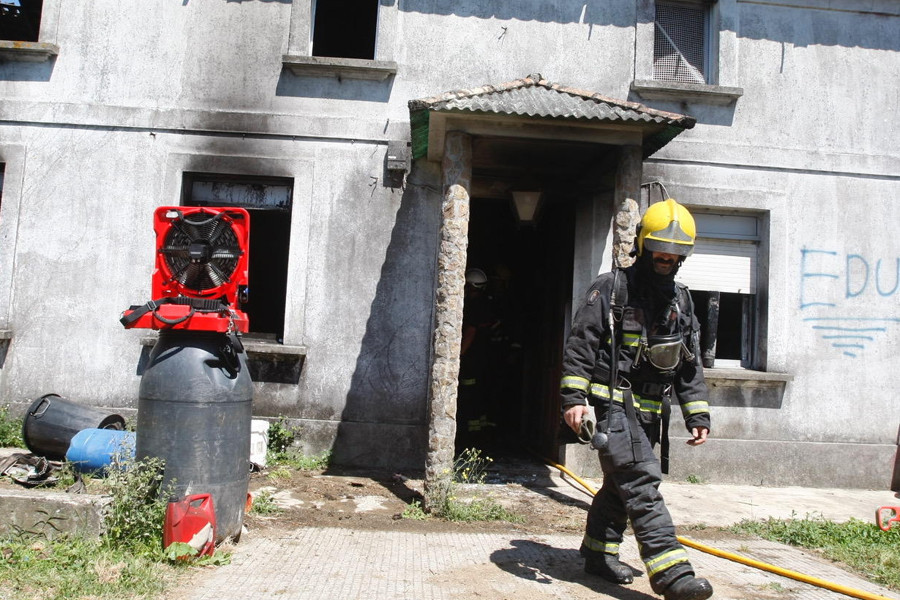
(647, 319)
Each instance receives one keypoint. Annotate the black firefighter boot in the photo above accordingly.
(688, 587)
(607, 566)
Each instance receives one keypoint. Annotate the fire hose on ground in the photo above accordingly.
(834, 587)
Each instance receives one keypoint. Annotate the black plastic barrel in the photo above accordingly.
(194, 412)
(52, 421)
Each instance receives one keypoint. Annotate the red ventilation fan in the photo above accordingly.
(201, 271)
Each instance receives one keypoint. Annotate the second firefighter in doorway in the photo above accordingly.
(479, 318)
(632, 350)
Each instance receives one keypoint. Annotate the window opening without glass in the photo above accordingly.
(20, 20)
(680, 43)
(345, 28)
(269, 201)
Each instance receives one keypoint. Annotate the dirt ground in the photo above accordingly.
(378, 500)
(382, 500)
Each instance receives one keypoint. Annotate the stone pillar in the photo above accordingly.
(628, 213)
(451, 279)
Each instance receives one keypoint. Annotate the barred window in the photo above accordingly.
(681, 43)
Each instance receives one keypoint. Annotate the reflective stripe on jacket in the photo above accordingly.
(587, 357)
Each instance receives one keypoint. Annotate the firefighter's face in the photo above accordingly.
(663, 262)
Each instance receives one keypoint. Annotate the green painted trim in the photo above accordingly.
(418, 124)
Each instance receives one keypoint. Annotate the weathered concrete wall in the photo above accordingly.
(95, 139)
(813, 153)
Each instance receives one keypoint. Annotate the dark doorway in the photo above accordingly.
(529, 268)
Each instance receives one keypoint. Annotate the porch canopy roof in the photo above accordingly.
(535, 108)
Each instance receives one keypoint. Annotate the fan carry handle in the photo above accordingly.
(195, 304)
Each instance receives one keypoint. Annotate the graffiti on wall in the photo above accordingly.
(850, 300)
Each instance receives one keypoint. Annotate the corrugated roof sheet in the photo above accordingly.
(534, 96)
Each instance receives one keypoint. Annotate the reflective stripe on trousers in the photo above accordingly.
(600, 546)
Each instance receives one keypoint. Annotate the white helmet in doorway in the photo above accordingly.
(476, 278)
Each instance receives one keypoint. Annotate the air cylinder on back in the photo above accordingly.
(194, 411)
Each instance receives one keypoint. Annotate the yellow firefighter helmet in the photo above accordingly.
(667, 227)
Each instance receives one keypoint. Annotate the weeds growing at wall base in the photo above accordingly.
(468, 468)
(281, 453)
(10, 430)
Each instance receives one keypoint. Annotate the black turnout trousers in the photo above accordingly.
(630, 491)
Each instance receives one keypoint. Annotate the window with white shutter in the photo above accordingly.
(722, 275)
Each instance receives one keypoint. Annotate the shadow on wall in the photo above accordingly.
(589, 13)
(384, 422)
(804, 27)
(299, 86)
(795, 26)
(26, 71)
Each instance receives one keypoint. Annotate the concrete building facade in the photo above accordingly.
(377, 145)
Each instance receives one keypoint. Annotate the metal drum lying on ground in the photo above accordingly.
(52, 421)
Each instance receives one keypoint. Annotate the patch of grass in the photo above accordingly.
(10, 430)
(775, 587)
(414, 511)
(137, 511)
(77, 568)
(478, 509)
(67, 475)
(694, 479)
(301, 462)
(279, 472)
(264, 505)
(281, 437)
(280, 451)
(873, 553)
(470, 466)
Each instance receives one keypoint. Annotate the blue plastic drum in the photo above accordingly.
(96, 449)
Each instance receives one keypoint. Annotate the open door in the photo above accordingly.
(529, 267)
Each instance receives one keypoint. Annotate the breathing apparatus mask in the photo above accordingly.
(666, 351)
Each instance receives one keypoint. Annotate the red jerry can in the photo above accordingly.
(192, 520)
(886, 515)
